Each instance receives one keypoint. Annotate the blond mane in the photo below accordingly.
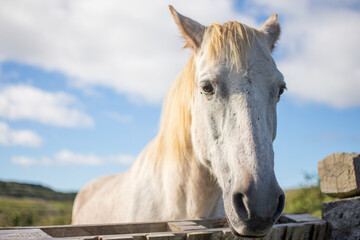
(174, 138)
(231, 42)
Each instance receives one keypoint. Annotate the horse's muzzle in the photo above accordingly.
(254, 215)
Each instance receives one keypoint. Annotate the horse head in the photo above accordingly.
(233, 107)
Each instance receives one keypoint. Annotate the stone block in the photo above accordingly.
(343, 216)
(348, 234)
(340, 175)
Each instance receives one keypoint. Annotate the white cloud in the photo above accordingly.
(65, 157)
(10, 137)
(320, 57)
(132, 47)
(68, 158)
(24, 161)
(27, 102)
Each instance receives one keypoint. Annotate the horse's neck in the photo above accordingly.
(204, 194)
(192, 189)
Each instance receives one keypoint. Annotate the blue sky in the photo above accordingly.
(82, 82)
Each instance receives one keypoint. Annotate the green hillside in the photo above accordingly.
(21, 190)
(34, 212)
(33, 205)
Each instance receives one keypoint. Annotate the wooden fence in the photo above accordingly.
(289, 226)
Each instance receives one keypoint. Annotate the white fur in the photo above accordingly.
(145, 193)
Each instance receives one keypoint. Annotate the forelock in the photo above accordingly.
(230, 42)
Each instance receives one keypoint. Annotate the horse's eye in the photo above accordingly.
(207, 88)
(281, 90)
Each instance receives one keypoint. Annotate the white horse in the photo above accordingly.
(213, 156)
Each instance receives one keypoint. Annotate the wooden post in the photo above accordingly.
(340, 175)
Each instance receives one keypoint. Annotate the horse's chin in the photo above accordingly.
(247, 234)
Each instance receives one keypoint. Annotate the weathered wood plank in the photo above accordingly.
(340, 174)
(319, 231)
(277, 232)
(212, 223)
(105, 237)
(293, 231)
(226, 234)
(173, 236)
(199, 236)
(23, 234)
(138, 236)
(108, 229)
(299, 217)
(117, 237)
(185, 226)
(160, 236)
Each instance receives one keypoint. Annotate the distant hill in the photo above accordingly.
(24, 190)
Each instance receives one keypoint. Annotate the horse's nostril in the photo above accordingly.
(280, 207)
(239, 205)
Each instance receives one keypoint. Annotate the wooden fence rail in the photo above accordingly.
(289, 226)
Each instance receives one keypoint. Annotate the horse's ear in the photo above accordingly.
(271, 29)
(192, 31)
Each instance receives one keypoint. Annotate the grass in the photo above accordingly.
(34, 212)
(307, 199)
